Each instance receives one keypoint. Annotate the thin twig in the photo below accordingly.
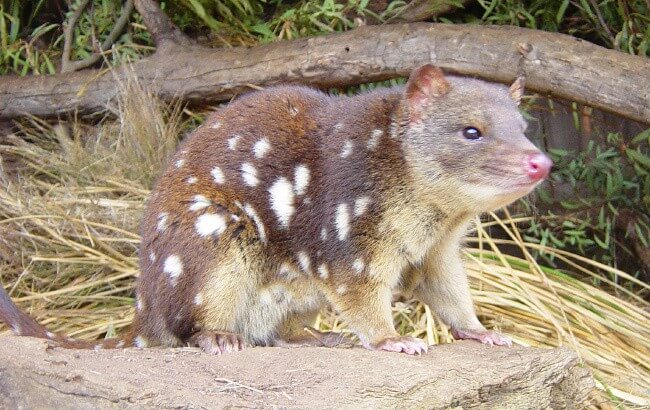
(108, 42)
(603, 24)
(69, 34)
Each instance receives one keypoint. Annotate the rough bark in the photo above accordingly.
(554, 64)
(464, 374)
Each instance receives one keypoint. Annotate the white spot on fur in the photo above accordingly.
(16, 329)
(323, 234)
(139, 304)
(266, 297)
(281, 198)
(97, 347)
(192, 180)
(199, 202)
(347, 149)
(235, 218)
(358, 265)
(301, 179)
(140, 342)
(341, 289)
(304, 261)
(152, 256)
(162, 222)
(50, 335)
(342, 221)
(323, 271)
(208, 224)
(216, 125)
(261, 230)
(218, 175)
(261, 147)
(179, 163)
(338, 126)
(173, 267)
(286, 271)
(373, 141)
(232, 142)
(361, 205)
(198, 299)
(249, 174)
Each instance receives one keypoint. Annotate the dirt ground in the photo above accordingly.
(462, 374)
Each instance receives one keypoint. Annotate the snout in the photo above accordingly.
(538, 166)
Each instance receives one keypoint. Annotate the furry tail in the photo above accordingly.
(22, 324)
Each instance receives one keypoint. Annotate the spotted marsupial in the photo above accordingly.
(288, 200)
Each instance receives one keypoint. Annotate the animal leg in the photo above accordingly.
(444, 287)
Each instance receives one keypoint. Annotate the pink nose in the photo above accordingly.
(538, 166)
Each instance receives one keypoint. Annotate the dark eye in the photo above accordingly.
(472, 133)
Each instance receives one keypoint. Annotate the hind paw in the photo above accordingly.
(217, 343)
(487, 337)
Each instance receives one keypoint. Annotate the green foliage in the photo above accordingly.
(622, 25)
(250, 21)
(235, 16)
(94, 26)
(310, 18)
(607, 210)
(24, 52)
(27, 48)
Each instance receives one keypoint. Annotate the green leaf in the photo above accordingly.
(569, 205)
(600, 243)
(638, 157)
(198, 8)
(558, 152)
(559, 16)
(264, 30)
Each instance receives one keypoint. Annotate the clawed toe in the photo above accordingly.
(402, 344)
(487, 337)
(217, 343)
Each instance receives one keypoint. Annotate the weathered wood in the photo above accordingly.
(463, 374)
(554, 64)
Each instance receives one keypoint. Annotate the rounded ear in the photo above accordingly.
(425, 82)
(517, 89)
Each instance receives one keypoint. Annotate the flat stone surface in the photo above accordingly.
(462, 374)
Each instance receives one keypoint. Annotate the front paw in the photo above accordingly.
(487, 337)
(402, 344)
(217, 343)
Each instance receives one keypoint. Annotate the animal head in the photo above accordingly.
(469, 134)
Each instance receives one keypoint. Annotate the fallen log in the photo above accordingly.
(554, 64)
(462, 374)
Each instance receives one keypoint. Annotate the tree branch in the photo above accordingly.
(421, 10)
(554, 64)
(108, 41)
(162, 30)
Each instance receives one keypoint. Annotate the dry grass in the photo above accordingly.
(72, 197)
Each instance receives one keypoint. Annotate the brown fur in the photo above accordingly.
(391, 186)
